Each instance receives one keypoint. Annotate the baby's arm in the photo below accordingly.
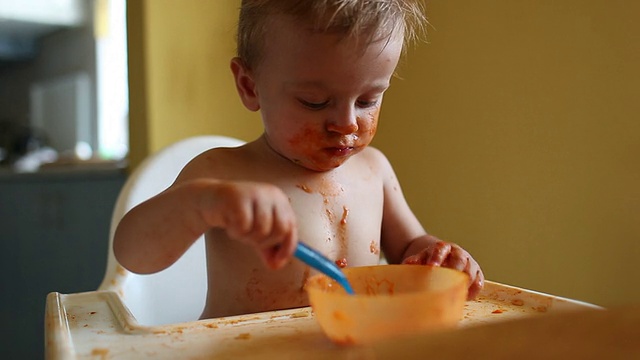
(154, 234)
(404, 240)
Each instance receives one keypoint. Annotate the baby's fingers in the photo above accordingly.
(279, 247)
(476, 285)
(458, 259)
(439, 253)
(416, 259)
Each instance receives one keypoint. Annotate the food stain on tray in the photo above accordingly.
(243, 336)
(299, 314)
(101, 352)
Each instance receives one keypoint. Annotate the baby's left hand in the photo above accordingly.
(450, 255)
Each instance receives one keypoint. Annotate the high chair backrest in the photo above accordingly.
(178, 293)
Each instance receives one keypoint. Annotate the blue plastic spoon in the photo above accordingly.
(319, 262)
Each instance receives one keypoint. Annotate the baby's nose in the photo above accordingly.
(343, 122)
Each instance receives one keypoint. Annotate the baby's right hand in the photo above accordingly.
(258, 214)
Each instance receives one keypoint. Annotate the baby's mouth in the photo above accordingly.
(340, 150)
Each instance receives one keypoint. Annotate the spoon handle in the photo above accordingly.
(319, 262)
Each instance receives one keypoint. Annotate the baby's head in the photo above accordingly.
(366, 20)
(317, 71)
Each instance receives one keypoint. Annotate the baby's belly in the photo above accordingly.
(251, 287)
(240, 283)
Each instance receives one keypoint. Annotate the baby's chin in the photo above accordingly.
(319, 166)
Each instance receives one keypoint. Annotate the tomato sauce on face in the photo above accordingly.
(320, 149)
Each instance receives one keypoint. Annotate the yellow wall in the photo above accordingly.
(181, 84)
(515, 132)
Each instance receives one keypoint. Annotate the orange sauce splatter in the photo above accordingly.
(345, 214)
(347, 340)
(375, 287)
(373, 247)
(304, 188)
(103, 353)
(120, 270)
(339, 315)
(305, 277)
(342, 230)
(253, 288)
(299, 314)
(329, 215)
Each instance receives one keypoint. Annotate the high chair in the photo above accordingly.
(99, 324)
(178, 293)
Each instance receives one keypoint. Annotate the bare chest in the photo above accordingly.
(340, 217)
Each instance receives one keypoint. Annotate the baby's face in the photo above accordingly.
(320, 96)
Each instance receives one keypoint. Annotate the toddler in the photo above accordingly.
(317, 71)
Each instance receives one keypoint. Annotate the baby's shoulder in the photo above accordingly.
(220, 162)
(375, 159)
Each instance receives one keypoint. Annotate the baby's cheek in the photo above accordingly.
(369, 125)
(304, 140)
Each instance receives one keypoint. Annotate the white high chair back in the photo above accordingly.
(178, 293)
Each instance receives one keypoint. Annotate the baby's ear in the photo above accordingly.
(245, 84)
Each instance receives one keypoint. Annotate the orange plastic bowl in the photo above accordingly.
(390, 300)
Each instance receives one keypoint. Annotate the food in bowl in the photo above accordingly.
(389, 301)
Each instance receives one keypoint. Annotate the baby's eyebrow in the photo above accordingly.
(377, 87)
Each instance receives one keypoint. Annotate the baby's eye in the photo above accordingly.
(367, 103)
(313, 105)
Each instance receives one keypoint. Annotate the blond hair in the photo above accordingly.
(351, 18)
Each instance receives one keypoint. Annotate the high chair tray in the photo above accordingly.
(97, 325)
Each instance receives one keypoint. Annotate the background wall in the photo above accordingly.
(515, 131)
(180, 81)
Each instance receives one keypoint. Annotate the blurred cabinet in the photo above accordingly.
(23, 22)
(54, 229)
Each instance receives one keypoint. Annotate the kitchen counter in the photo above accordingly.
(54, 234)
(87, 170)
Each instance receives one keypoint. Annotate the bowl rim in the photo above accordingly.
(309, 283)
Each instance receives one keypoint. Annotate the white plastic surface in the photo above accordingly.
(178, 293)
(96, 325)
